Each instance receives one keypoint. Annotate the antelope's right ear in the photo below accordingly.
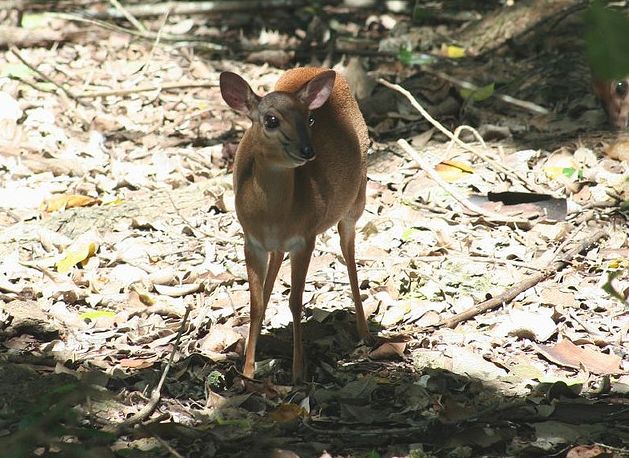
(238, 94)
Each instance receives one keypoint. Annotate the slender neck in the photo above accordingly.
(277, 185)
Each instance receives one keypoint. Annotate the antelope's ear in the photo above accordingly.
(317, 91)
(237, 93)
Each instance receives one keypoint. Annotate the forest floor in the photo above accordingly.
(496, 286)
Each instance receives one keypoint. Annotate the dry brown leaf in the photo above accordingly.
(137, 363)
(388, 350)
(220, 338)
(281, 453)
(566, 353)
(556, 297)
(619, 150)
(538, 326)
(588, 451)
(84, 247)
(177, 291)
(287, 412)
(453, 171)
(63, 201)
(275, 57)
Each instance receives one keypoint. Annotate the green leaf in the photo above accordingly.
(610, 289)
(94, 314)
(478, 95)
(215, 379)
(15, 70)
(409, 58)
(607, 42)
(408, 233)
(33, 20)
(568, 171)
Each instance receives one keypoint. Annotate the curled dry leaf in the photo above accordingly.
(619, 150)
(588, 451)
(388, 350)
(453, 171)
(565, 353)
(63, 201)
(281, 453)
(177, 291)
(274, 57)
(288, 412)
(466, 362)
(535, 326)
(83, 248)
(137, 363)
(220, 338)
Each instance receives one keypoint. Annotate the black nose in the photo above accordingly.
(307, 152)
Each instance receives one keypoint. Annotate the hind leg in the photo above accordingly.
(347, 233)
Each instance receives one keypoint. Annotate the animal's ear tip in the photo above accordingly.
(331, 74)
(230, 77)
(226, 76)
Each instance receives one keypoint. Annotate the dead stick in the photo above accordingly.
(156, 394)
(160, 87)
(493, 163)
(524, 104)
(148, 35)
(31, 67)
(137, 24)
(525, 284)
(203, 7)
(451, 189)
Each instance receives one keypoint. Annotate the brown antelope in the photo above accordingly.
(614, 96)
(299, 169)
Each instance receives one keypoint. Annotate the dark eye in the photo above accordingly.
(311, 120)
(621, 88)
(271, 122)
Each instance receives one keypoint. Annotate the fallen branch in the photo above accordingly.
(149, 88)
(137, 24)
(509, 294)
(207, 7)
(62, 88)
(525, 105)
(148, 35)
(494, 164)
(451, 190)
(156, 394)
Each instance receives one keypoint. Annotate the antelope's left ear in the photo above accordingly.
(238, 94)
(317, 91)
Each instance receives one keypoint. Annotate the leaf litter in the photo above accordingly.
(118, 215)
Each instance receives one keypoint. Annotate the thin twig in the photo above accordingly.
(63, 89)
(529, 106)
(157, 38)
(137, 24)
(167, 446)
(136, 33)
(33, 85)
(451, 190)
(135, 90)
(495, 164)
(156, 394)
(509, 294)
(200, 7)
